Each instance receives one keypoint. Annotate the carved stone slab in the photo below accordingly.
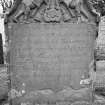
(49, 56)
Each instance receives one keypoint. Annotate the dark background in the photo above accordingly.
(1, 50)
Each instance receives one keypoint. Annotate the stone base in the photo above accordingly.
(66, 96)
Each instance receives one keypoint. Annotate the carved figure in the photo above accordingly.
(80, 8)
(20, 12)
(25, 8)
(52, 11)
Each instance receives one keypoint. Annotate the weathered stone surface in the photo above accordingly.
(4, 87)
(100, 65)
(50, 56)
(3, 82)
(99, 102)
(81, 103)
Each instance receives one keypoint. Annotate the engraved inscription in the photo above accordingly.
(53, 56)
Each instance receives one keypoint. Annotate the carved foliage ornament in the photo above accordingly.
(51, 11)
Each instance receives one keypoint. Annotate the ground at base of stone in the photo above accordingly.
(61, 103)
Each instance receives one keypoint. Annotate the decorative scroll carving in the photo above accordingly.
(51, 11)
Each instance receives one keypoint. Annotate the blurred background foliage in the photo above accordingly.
(98, 5)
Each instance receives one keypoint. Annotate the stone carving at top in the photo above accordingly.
(51, 11)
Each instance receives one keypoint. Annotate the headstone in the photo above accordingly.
(50, 50)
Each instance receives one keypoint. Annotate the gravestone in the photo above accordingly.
(49, 53)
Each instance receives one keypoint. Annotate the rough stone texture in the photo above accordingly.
(101, 32)
(100, 48)
(99, 85)
(100, 65)
(3, 83)
(100, 71)
(51, 56)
